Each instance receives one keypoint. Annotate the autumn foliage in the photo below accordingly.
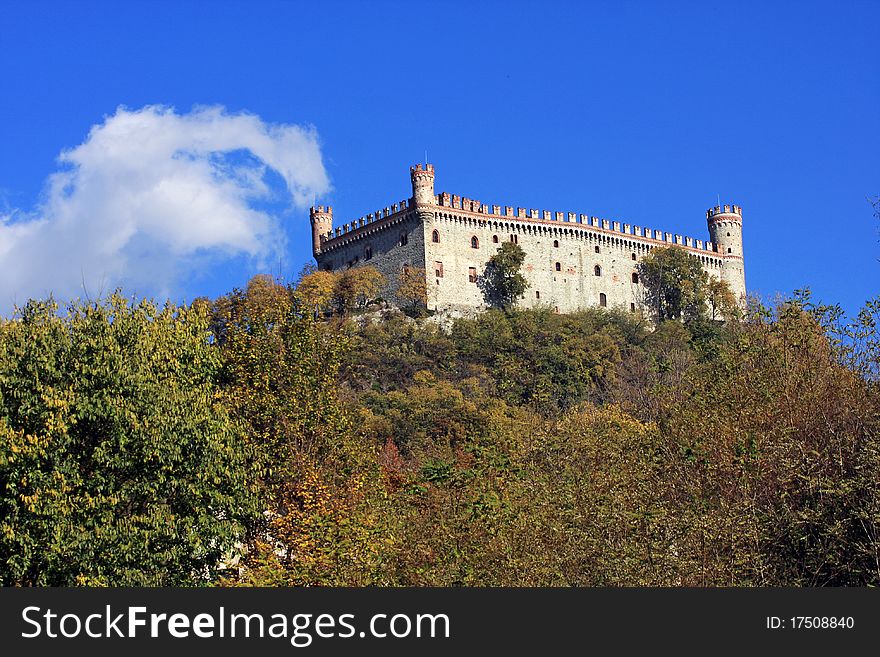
(289, 435)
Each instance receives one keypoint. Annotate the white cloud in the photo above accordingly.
(152, 195)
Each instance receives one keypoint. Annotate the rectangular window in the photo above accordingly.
(537, 294)
(472, 274)
(438, 270)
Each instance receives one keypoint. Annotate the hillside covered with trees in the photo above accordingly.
(301, 435)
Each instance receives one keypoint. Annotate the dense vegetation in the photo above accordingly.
(263, 438)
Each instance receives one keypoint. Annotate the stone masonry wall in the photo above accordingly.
(577, 250)
(388, 255)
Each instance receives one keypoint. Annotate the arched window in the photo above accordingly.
(603, 300)
(597, 248)
(475, 243)
(728, 234)
(556, 243)
(597, 270)
(368, 253)
(435, 237)
(404, 238)
(635, 277)
(632, 307)
(558, 266)
(633, 256)
(728, 249)
(494, 239)
(514, 239)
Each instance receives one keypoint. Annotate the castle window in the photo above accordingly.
(558, 266)
(728, 249)
(556, 310)
(435, 237)
(475, 242)
(404, 239)
(633, 256)
(438, 269)
(556, 243)
(368, 253)
(494, 239)
(632, 307)
(603, 300)
(635, 277)
(597, 248)
(597, 270)
(514, 239)
(537, 294)
(728, 234)
(472, 274)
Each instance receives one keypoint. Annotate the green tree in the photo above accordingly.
(675, 284)
(118, 466)
(502, 283)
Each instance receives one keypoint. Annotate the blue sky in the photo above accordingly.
(643, 112)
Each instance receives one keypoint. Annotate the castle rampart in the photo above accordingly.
(572, 259)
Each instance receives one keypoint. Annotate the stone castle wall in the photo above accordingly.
(576, 249)
(572, 260)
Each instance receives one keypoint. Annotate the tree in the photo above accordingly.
(675, 284)
(315, 291)
(412, 288)
(358, 286)
(118, 467)
(502, 283)
(721, 300)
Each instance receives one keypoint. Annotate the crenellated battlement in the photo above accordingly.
(724, 210)
(416, 168)
(455, 202)
(367, 220)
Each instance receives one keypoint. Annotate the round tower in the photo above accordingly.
(422, 184)
(322, 224)
(725, 231)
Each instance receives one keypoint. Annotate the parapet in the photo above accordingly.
(724, 209)
(418, 168)
(319, 209)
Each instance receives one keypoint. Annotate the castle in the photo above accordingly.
(572, 260)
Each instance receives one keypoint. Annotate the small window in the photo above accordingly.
(438, 270)
(368, 253)
(494, 239)
(514, 239)
(537, 294)
(558, 266)
(603, 300)
(475, 242)
(728, 249)
(556, 244)
(472, 274)
(635, 277)
(556, 310)
(632, 307)
(597, 248)
(404, 239)
(728, 234)
(633, 256)
(435, 237)
(597, 270)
